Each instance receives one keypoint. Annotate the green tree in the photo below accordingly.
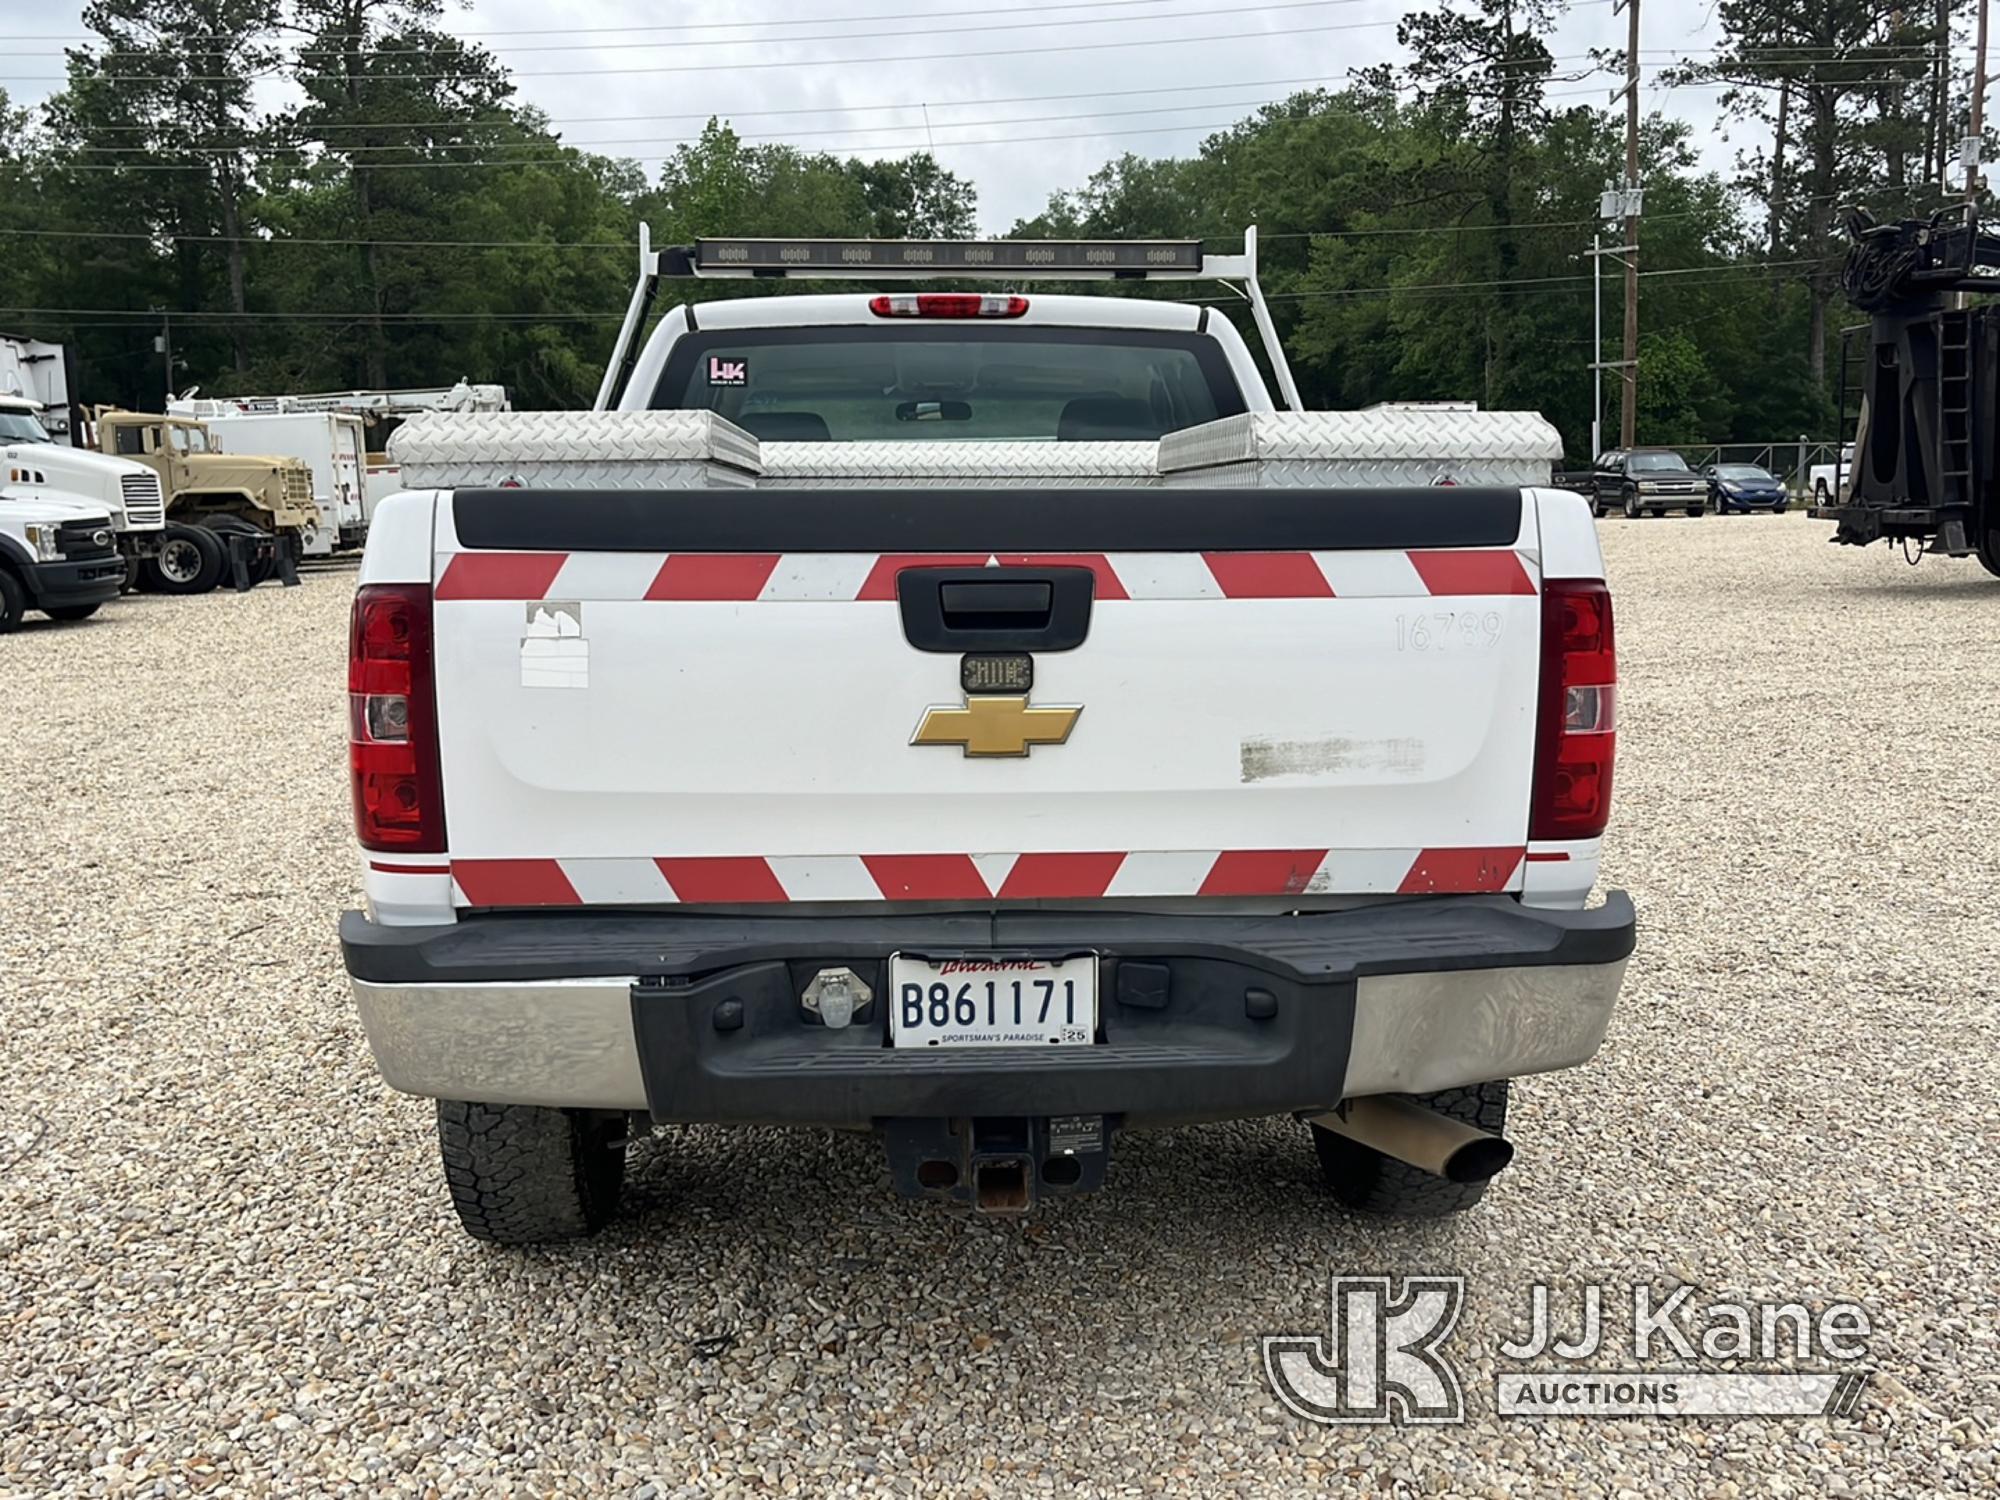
(1835, 79)
(397, 112)
(1130, 198)
(913, 197)
(189, 66)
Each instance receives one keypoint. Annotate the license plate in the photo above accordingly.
(993, 1002)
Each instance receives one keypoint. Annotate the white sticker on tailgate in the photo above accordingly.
(554, 653)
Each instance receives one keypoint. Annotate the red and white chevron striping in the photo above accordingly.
(809, 577)
(756, 879)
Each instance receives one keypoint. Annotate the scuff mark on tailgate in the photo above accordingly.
(1264, 757)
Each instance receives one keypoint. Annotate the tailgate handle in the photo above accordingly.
(995, 609)
(967, 606)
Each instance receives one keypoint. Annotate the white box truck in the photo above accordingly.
(352, 471)
(41, 372)
(333, 445)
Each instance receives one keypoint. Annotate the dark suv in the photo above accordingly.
(1646, 479)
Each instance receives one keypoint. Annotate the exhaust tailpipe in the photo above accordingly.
(1404, 1129)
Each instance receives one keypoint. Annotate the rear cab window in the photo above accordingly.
(856, 383)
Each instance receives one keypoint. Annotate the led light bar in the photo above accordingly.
(840, 259)
(917, 260)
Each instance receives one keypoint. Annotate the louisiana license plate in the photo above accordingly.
(993, 1002)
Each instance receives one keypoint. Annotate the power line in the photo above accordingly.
(598, 145)
(1695, 276)
(939, 56)
(786, 41)
(121, 315)
(807, 62)
(651, 29)
(1532, 281)
(568, 154)
(558, 153)
(847, 109)
(656, 140)
(1320, 80)
(626, 247)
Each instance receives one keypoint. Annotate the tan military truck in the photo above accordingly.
(210, 496)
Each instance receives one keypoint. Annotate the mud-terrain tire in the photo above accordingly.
(523, 1174)
(189, 561)
(13, 601)
(1988, 551)
(1366, 1181)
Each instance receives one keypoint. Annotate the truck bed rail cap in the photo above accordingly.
(962, 464)
(1462, 437)
(553, 448)
(628, 436)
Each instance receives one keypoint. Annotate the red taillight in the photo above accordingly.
(392, 743)
(1576, 735)
(947, 305)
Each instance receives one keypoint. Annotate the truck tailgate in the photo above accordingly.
(712, 698)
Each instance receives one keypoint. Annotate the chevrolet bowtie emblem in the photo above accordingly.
(995, 726)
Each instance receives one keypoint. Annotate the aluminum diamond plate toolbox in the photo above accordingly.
(1382, 446)
(960, 465)
(605, 450)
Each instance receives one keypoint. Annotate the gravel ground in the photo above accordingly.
(227, 1265)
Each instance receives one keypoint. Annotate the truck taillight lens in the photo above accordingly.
(948, 305)
(392, 742)
(1576, 735)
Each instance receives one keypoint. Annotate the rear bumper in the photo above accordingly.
(1859, 525)
(632, 1011)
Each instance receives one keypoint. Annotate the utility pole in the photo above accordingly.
(1610, 206)
(1976, 139)
(1628, 408)
(1596, 346)
(1937, 157)
(1970, 148)
(163, 345)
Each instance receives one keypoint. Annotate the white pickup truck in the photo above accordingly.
(1830, 482)
(985, 721)
(65, 516)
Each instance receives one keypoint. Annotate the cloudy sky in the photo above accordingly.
(1024, 99)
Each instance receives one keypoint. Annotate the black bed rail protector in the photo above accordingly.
(996, 520)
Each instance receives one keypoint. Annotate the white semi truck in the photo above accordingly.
(127, 493)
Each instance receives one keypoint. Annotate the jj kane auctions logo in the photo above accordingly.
(1383, 1358)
